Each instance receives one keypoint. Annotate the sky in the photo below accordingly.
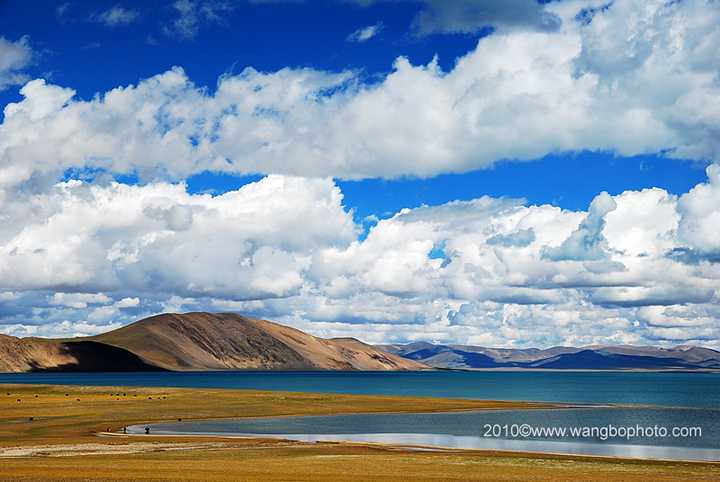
(503, 173)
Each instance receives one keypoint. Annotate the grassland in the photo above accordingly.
(63, 441)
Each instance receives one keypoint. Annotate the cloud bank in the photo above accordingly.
(491, 271)
(77, 257)
(518, 95)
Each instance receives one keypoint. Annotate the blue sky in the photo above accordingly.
(74, 50)
(589, 156)
(266, 36)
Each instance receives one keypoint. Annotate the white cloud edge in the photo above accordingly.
(585, 61)
(364, 34)
(518, 95)
(153, 248)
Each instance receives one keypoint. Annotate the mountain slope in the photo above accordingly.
(220, 341)
(452, 358)
(590, 359)
(600, 357)
(196, 341)
(35, 354)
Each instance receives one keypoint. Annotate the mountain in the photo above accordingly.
(440, 357)
(228, 341)
(196, 342)
(37, 354)
(595, 357)
(599, 360)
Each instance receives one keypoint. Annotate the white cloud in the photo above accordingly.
(105, 314)
(587, 242)
(286, 249)
(254, 242)
(700, 214)
(62, 329)
(191, 14)
(366, 33)
(643, 223)
(187, 23)
(117, 15)
(128, 303)
(8, 296)
(641, 266)
(78, 300)
(14, 57)
(518, 95)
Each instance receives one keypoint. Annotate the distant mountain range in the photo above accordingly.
(196, 342)
(594, 357)
(228, 341)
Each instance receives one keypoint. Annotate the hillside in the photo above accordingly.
(37, 354)
(196, 342)
(595, 357)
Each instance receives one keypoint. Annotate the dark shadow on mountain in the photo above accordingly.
(449, 357)
(618, 357)
(593, 360)
(92, 356)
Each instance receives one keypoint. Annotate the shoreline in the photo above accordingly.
(62, 428)
(135, 430)
(424, 370)
(411, 447)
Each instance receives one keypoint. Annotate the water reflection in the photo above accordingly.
(469, 442)
(465, 430)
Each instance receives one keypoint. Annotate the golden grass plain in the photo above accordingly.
(63, 441)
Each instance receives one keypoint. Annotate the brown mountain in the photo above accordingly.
(195, 342)
(38, 354)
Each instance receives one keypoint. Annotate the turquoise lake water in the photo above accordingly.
(652, 388)
(661, 399)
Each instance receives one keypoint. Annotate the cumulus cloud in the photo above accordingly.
(250, 243)
(14, 57)
(587, 241)
(106, 313)
(517, 95)
(364, 34)
(285, 248)
(700, 214)
(522, 237)
(638, 267)
(78, 300)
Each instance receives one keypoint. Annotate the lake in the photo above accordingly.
(485, 430)
(664, 399)
(675, 389)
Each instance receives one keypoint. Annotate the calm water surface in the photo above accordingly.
(678, 399)
(666, 389)
(474, 430)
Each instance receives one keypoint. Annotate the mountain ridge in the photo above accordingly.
(201, 341)
(590, 357)
(196, 341)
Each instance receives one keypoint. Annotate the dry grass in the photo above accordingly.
(67, 419)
